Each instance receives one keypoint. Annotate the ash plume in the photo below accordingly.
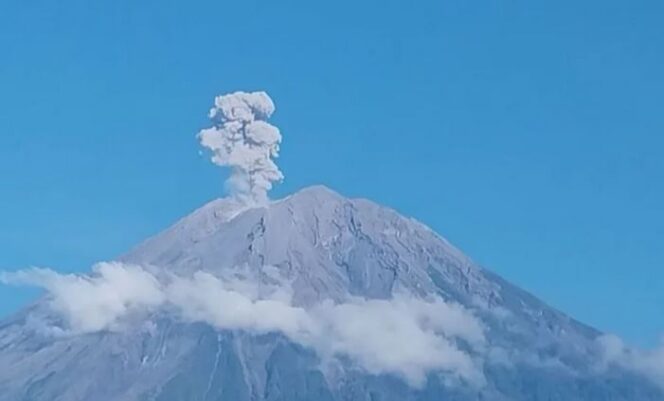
(242, 139)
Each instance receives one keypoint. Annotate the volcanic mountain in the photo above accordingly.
(366, 291)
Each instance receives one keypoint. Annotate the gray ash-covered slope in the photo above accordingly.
(331, 248)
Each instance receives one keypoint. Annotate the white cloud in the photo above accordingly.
(405, 336)
(96, 302)
(243, 140)
(649, 363)
(234, 304)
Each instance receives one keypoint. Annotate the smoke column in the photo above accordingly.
(242, 139)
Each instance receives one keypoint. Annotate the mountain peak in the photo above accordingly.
(312, 195)
(331, 246)
(318, 190)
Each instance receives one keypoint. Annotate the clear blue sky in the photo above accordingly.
(528, 133)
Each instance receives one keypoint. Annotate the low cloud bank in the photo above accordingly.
(405, 336)
(649, 363)
(96, 302)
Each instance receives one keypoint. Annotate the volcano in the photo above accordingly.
(345, 261)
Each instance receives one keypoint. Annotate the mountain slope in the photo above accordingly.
(328, 248)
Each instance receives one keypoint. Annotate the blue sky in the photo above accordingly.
(529, 134)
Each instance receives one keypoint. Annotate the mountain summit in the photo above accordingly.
(312, 297)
